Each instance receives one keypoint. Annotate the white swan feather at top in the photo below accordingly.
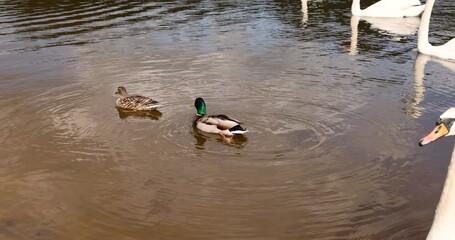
(389, 8)
(445, 51)
(444, 219)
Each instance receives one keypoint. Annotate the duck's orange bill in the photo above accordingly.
(438, 132)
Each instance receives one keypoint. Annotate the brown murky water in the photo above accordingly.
(335, 106)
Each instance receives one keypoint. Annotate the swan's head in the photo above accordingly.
(121, 91)
(445, 126)
(200, 106)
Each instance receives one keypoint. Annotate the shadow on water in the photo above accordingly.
(152, 114)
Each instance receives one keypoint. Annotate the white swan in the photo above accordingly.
(444, 219)
(446, 51)
(389, 8)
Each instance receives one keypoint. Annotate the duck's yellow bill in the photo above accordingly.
(192, 105)
(438, 132)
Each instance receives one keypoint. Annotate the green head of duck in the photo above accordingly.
(200, 106)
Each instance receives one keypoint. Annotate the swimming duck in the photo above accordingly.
(442, 228)
(134, 102)
(220, 124)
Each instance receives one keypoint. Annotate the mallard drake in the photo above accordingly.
(134, 102)
(220, 124)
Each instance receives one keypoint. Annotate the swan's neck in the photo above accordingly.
(424, 28)
(355, 7)
(443, 224)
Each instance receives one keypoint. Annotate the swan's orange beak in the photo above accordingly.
(438, 132)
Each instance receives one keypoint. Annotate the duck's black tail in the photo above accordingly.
(237, 129)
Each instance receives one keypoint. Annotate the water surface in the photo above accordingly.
(335, 107)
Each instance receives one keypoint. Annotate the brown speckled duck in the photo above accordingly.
(134, 102)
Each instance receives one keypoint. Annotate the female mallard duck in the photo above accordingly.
(220, 124)
(134, 102)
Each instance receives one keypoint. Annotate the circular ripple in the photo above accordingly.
(272, 137)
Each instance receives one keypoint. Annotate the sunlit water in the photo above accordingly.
(334, 106)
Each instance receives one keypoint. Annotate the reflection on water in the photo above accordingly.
(330, 152)
(152, 114)
(237, 141)
(400, 26)
(394, 26)
(412, 106)
(354, 35)
(304, 12)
